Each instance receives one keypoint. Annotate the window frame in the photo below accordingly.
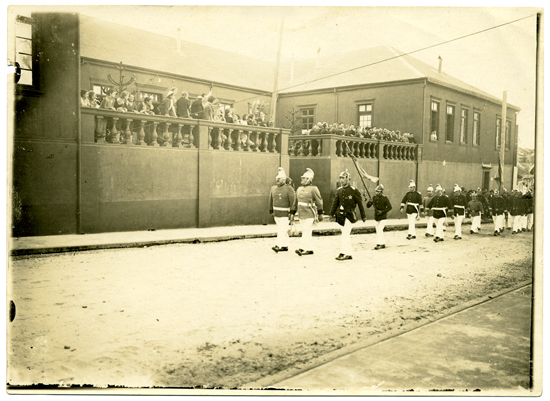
(34, 86)
(478, 136)
(367, 113)
(508, 134)
(498, 132)
(449, 128)
(309, 116)
(463, 137)
(434, 121)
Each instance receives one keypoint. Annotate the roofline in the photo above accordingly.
(179, 76)
(471, 93)
(353, 87)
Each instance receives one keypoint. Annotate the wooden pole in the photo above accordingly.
(276, 80)
(502, 139)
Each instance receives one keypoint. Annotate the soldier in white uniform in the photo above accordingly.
(459, 204)
(411, 203)
(282, 206)
(441, 206)
(309, 209)
(429, 214)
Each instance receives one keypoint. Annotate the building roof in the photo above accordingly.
(103, 40)
(380, 64)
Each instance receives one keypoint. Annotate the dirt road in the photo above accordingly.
(229, 313)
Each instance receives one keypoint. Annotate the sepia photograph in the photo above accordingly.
(274, 200)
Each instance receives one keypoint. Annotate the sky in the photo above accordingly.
(496, 60)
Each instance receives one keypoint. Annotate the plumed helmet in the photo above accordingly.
(308, 174)
(345, 173)
(439, 188)
(430, 188)
(380, 187)
(456, 188)
(281, 173)
(412, 184)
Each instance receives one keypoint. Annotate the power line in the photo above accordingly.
(394, 57)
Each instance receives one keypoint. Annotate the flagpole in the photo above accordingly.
(276, 80)
(355, 164)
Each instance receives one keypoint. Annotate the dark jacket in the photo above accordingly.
(344, 204)
(381, 205)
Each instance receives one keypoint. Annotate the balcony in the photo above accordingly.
(360, 148)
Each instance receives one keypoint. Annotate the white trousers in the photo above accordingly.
(307, 237)
(379, 225)
(345, 244)
(530, 221)
(282, 231)
(510, 220)
(439, 227)
(476, 223)
(517, 223)
(458, 225)
(499, 221)
(430, 226)
(412, 223)
(524, 221)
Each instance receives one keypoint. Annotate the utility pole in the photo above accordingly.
(276, 80)
(503, 126)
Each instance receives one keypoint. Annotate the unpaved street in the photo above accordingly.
(230, 313)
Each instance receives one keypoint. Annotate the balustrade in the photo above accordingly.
(360, 148)
(110, 127)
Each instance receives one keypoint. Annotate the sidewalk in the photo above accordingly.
(85, 242)
(484, 348)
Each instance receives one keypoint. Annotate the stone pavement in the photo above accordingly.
(84, 242)
(482, 349)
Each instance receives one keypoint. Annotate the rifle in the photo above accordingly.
(355, 164)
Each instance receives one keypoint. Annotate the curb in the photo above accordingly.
(196, 240)
(266, 383)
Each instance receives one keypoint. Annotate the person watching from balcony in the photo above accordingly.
(120, 103)
(182, 105)
(229, 116)
(197, 109)
(169, 103)
(324, 129)
(316, 129)
(251, 120)
(108, 101)
(93, 100)
(333, 130)
(433, 136)
(341, 129)
(131, 105)
(261, 121)
(209, 109)
(146, 107)
(84, 100)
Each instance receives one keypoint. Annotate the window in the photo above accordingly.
(365, 115)
(23, 49)
(476, 128)
(308, 115)
(497, 136)
(434, 132)
(449, 135)
(508, 136)
(464, 126)
(155, 97)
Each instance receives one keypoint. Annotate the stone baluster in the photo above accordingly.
(238, 141)
(257, 141)
(141, 133)
(229, 141)
(264, 142)
(191, 138)
(245, 145)
(128, 132)
(154, 135)
(99, 129)
(319, 148)
(274, 143)
(219, 139)
(167, 140)
(210, 138)
(114, 132)
(361, 148)
(178, 138)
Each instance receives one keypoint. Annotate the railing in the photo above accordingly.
(338, 146)
(112, 127)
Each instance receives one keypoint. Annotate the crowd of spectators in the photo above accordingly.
(382, 134)
(204, 107)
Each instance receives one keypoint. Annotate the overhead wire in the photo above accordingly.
(394, 57)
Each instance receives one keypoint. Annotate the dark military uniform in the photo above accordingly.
(382, 206)
(440, 206)
(344, 204)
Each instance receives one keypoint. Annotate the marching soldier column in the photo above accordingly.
(411, 204)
